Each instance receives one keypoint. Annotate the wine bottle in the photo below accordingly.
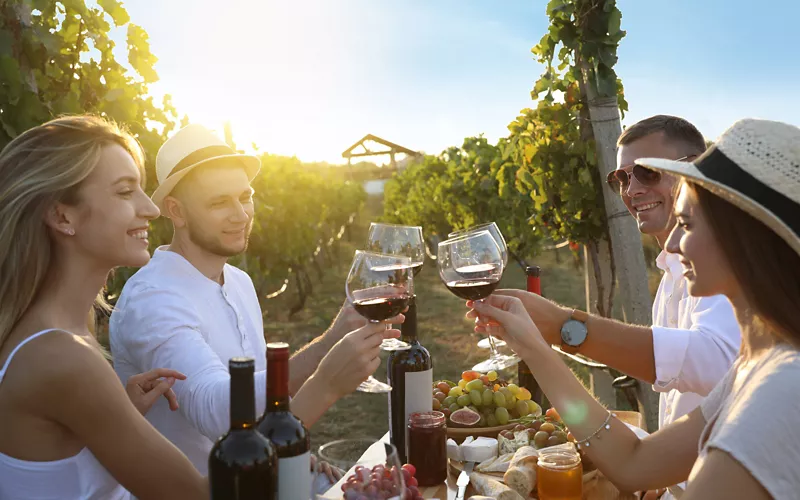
(243, 464)
(410, 373)
(524, 374)
(288, 434)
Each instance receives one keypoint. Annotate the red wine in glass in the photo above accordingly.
(472, 289)
(381, 308)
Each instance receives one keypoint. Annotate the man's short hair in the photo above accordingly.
(673, 128)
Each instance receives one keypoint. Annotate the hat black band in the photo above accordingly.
(201, 154)
(718, 167)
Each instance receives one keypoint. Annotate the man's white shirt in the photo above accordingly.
(695, 342)
(169, 315)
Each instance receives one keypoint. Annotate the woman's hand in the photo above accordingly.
(144, 389)
(505, 317)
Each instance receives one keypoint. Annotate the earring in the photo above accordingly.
(70, 231)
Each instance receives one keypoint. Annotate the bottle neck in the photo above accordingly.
(408, 330)
(243, 403)
(534, 285)
(278, 385)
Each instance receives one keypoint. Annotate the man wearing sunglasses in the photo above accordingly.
(693, 340)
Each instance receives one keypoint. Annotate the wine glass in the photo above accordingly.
(379, 287)
(501, 242)
(378, 474)
(393, 239)
(471, 266)
(493, 230)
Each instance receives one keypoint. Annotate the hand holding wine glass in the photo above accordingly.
(379, 287)
(492, 228)
(471, 266)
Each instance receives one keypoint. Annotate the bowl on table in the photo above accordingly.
(345, 453)
(459, 434)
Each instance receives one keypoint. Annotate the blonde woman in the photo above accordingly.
(72, 208)
(737, 234)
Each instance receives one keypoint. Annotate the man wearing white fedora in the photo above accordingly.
(191, 311)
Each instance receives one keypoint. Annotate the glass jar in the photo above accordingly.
(427, 447)
(559, 474)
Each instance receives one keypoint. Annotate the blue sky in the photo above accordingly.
(310, 77)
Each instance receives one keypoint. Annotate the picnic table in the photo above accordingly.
(596, 488)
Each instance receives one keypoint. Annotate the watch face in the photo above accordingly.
(573, 333)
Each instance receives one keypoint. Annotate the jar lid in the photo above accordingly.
(562, 456)
(426, 419)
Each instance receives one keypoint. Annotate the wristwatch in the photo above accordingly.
(574, 332)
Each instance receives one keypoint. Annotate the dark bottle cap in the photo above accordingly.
(241, 363)
(533, 271)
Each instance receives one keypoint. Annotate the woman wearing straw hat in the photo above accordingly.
(738, 234)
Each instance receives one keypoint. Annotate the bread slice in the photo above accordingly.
(521, 473)
(493, 489)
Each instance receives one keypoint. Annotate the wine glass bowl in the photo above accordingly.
(492, 228)
(471, 266)
(394, 239)
(379, 287)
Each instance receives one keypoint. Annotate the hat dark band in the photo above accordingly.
(201, 154)
(718, 167)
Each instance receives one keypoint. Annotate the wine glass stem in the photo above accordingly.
(492, 347)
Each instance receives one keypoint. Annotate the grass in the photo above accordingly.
(443, 329)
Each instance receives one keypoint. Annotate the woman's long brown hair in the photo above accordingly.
(766, 268)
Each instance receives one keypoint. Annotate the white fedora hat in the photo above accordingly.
(755, 165)
(190, 147)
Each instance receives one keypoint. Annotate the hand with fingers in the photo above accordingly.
(548, 316)
(356, 356)
(334, 474)
(346, 321)
(505, 317)
(144, 389)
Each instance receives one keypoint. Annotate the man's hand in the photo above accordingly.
(548, 316)
(355, 357)
(345, 322)
(144, 389)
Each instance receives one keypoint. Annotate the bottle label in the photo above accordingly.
(418, 395)
(294, 477)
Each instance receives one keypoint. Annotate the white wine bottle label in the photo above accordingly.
(418, 395)
(294, 477)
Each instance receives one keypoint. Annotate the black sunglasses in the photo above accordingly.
(620, 179)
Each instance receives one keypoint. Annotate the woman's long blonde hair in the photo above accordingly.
(43, 166)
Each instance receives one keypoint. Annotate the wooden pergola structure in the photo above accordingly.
(350, 153)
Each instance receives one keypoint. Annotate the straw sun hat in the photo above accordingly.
(191, 147)
(755, 165)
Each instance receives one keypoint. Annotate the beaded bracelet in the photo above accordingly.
(606, 425)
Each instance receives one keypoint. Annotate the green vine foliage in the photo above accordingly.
(553, 143)
(461, 187)
(56, 57)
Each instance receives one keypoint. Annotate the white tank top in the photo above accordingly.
(77, 477)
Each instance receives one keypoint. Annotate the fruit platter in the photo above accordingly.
(482, 405)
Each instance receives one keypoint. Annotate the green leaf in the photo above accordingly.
(614, 21)
(115, 9)
(6, 43)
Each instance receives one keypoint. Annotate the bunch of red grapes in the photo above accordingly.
(380, 483)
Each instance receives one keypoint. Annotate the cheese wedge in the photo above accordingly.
(493, 489)
(479, 450)
(499, 464)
